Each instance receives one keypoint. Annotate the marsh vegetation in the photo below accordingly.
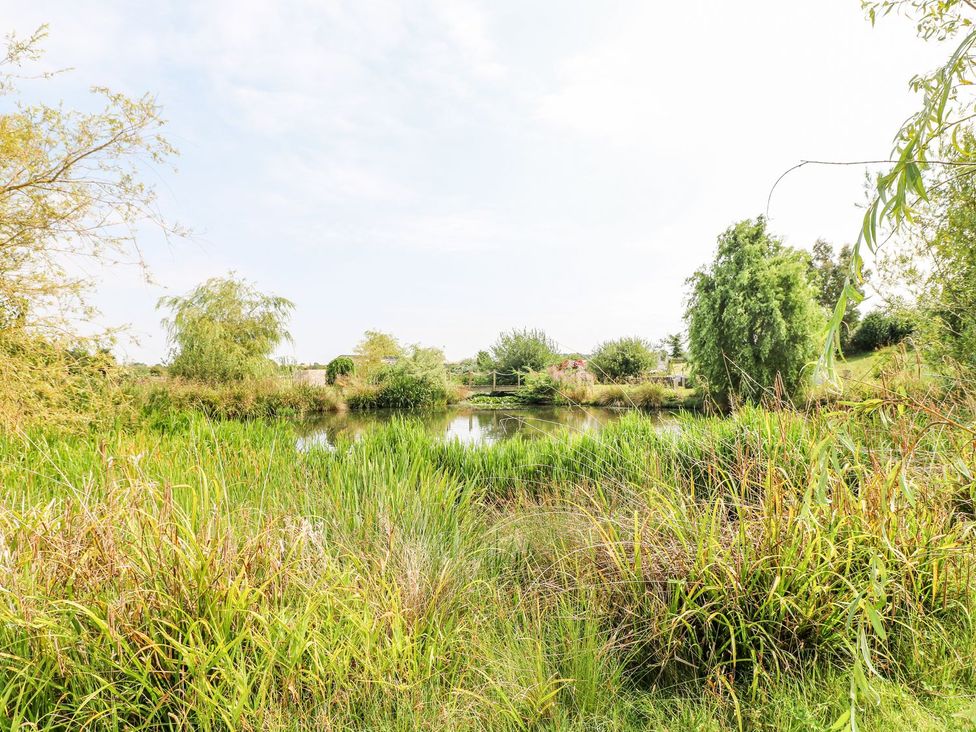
(181, 547)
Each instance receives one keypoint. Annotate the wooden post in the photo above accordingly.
(494, 374)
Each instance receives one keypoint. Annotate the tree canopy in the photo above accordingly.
(623, 358)
(70, 191)
(225, 330)
(947, 283)
(751, 315)
(375, 347)
(829, 273)
(523, 350)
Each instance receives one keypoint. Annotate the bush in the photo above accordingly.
(523, 351)
(416, 381)
(400, 389)
(537, 387)
(42, 382)
(879, 329)
(650, 396)
(567, 383)
(645, 396)
(340, 366)
(624, 358)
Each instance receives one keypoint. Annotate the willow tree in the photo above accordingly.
(752, 317)
(225, 330)
(929, 150)
(71, 195)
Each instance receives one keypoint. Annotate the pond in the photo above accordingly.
(468, 425)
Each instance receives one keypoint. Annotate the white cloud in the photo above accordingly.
(569, 164)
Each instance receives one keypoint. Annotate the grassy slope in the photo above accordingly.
(213, 577)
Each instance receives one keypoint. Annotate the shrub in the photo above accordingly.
(340, 366)
(537, 387)
(624, 358)
(568, 382)
(43, 382)
(399, 388)
(650, 396)
(416, 381)
(523, 351)
(612, 395)
(879, 329)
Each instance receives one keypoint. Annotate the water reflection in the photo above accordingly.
(466, 425)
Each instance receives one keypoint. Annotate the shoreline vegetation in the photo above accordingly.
(733, 573)
(277, 397)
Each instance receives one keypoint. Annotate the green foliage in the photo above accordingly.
(339, 366)
(225, 330)
(829, 275)
(751, 316)
(418, 380)
(162, 402)
(45, 382)
(523, 350)
(375, 349)
(933, 131)
(484, 361)
(947, 300)
(538, 387)
(218, 576)
(880, 329)
(624, 358)
(675, 346)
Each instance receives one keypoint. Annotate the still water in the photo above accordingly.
(466, 424)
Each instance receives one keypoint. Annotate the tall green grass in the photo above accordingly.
(762, 571)
(173, 399)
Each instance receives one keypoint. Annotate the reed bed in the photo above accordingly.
(769, 570)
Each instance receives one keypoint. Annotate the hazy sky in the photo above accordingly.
(447, 169)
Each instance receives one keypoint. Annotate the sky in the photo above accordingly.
(448, 169)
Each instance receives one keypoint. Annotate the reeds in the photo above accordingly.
(250, 399)
(732, 572)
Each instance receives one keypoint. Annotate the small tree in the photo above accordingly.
(339, 366)
(880, 329)
(675, 346)
(417, 380)
(523, 351)
(752, 317)
(73, 190)
(375, 348)
(225, 330)
(829, 276)
(484, 361)
(624, 358)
